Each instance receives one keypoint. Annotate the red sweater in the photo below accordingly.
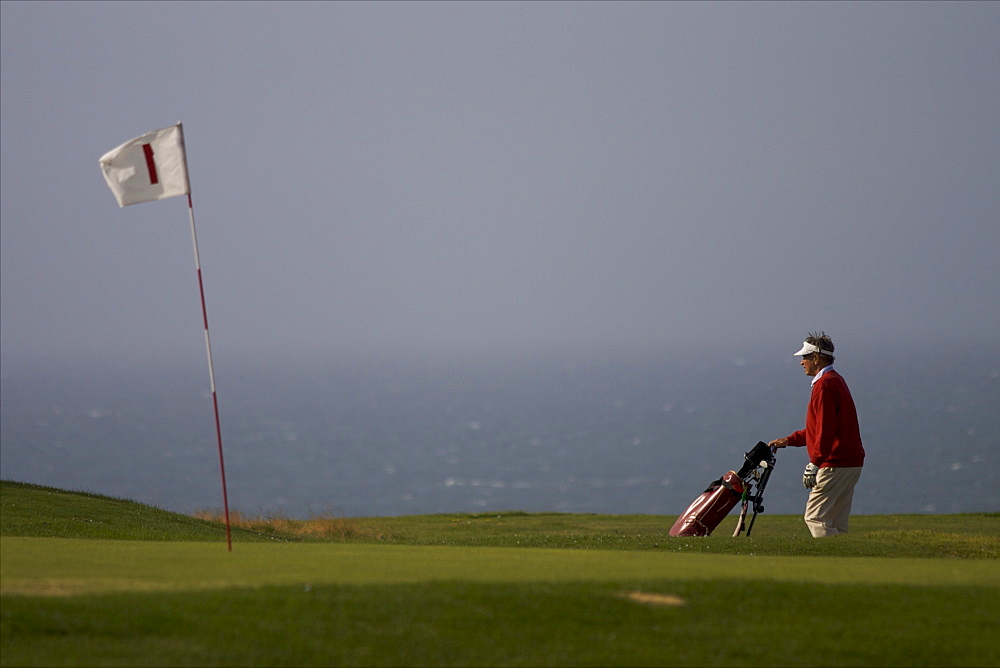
(832, 435)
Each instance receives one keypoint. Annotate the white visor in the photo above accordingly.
(809, 349)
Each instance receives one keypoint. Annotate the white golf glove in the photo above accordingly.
(809, 475)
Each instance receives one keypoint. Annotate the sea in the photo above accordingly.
(414, 434)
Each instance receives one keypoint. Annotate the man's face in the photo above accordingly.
(811, 364)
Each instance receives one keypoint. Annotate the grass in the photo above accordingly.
(465, 624)
(318, 527)
(485, 589)
(973, 536)
(34, 510)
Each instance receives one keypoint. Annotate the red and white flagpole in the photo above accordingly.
(211, 372)
(208, 351)
(152, 167)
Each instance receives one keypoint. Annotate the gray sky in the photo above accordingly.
(511, 176)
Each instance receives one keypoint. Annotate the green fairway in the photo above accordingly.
(469, 623)
(86, 580)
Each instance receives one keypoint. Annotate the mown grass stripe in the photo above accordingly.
(37, 565)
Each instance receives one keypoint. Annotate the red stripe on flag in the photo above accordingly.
(150, 164)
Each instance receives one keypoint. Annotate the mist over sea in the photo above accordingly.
(429, 434)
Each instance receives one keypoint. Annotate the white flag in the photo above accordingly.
(148, 168)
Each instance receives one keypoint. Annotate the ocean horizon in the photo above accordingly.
(403, 435)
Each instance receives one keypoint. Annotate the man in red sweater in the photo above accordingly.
(832, 439)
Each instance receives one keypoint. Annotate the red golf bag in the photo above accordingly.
(746, 485)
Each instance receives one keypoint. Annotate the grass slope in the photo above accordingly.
(34, 510)
(462, 590)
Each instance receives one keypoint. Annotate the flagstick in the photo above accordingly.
(211, 373)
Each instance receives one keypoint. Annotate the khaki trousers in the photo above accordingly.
(829, 503)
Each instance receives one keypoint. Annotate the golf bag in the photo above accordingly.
(746, 485)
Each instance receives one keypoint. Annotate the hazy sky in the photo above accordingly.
(509, 176)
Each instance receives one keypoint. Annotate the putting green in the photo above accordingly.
(56, 566)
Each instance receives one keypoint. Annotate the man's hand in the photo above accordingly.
(779, 443)
(809, 475)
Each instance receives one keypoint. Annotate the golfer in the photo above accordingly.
(832, 439)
